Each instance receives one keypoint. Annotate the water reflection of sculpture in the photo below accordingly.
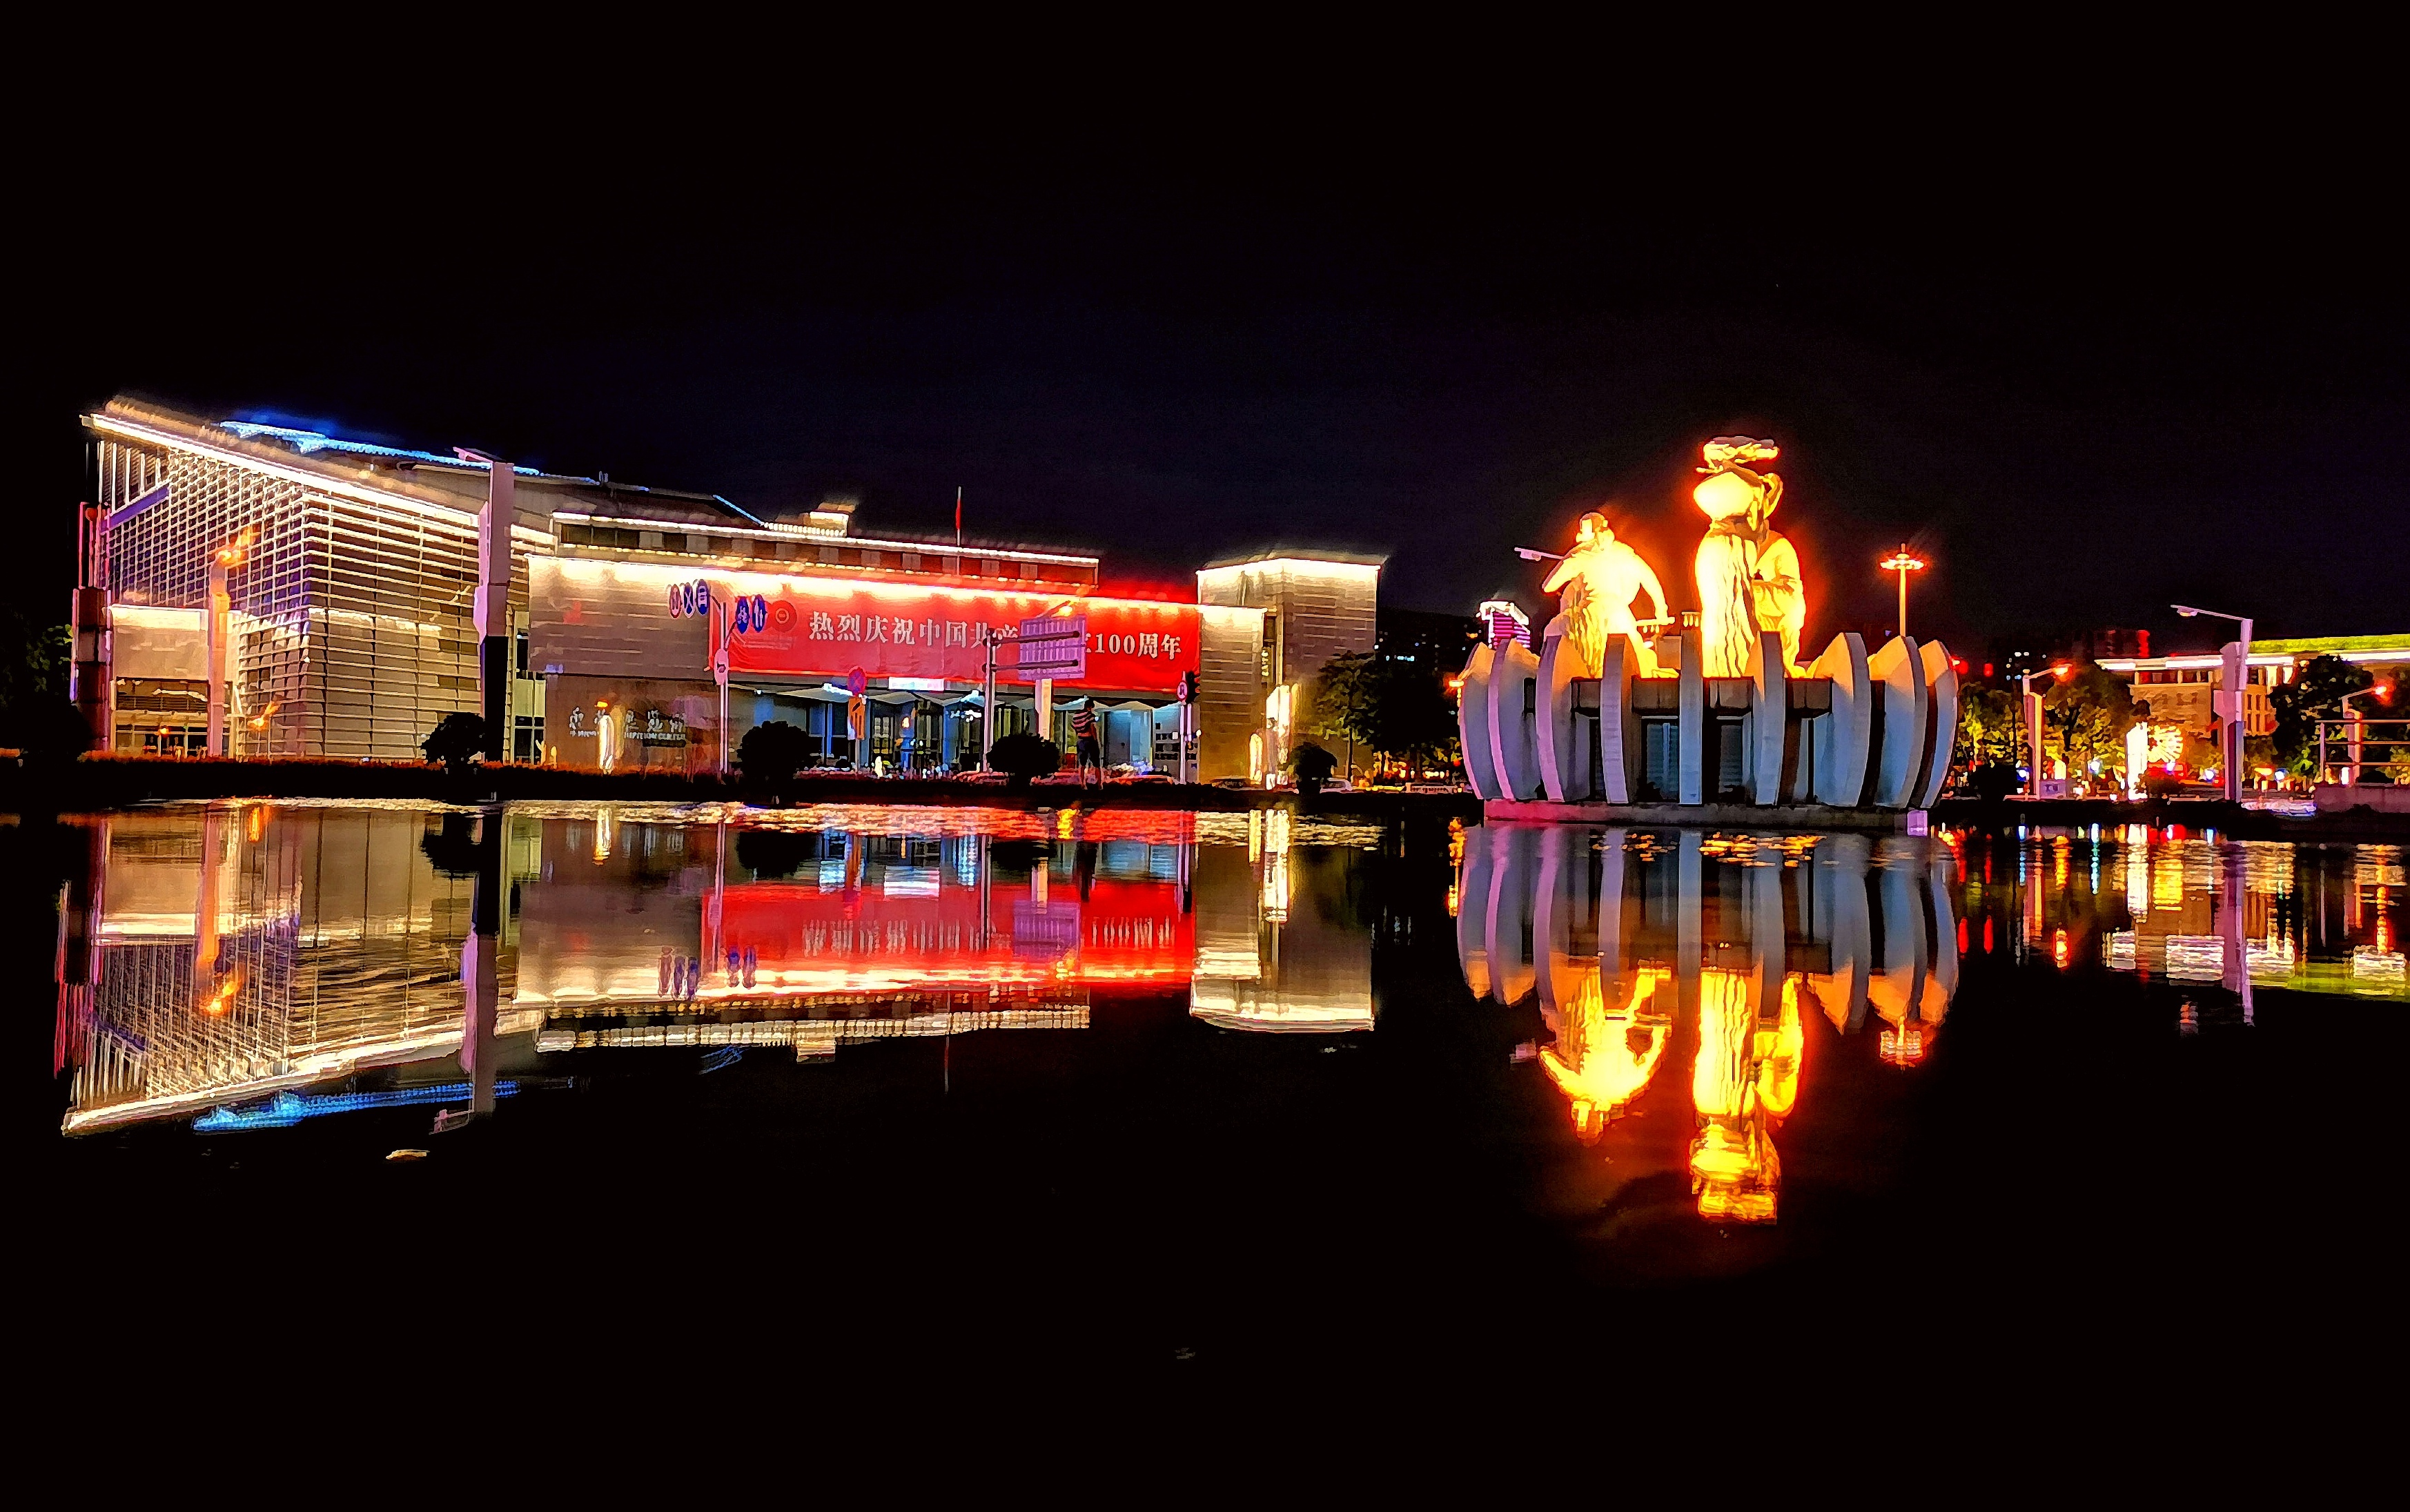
(1617, 955)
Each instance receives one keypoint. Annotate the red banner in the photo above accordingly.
(807, 628)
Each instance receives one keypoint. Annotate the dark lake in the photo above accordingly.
(1209, 1093)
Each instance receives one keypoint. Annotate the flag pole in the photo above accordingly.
(958, 518)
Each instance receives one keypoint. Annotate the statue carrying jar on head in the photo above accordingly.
(1748, 572)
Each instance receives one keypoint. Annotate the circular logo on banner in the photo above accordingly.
(782, 615)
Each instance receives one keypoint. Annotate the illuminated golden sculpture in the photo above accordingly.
(1596, 583)
(1748, 572)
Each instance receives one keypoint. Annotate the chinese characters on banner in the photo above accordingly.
(802, 628)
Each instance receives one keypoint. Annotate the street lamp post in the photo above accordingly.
(1901, 562)
(2237, 671)
(2031, 706)
(2355, 733)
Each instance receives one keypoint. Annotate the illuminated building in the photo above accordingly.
(1313, 608)
(356, 621)
(2180, 690)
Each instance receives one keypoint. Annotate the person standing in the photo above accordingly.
(1092, 751)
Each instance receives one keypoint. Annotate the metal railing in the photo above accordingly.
(2347, 750)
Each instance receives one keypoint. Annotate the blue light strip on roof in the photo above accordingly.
(286, 1108)
(306, 441)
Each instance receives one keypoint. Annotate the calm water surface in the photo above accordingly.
(1226, 1087)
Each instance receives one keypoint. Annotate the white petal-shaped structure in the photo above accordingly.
(1691, 707)
(1513, 674)
(1842, 737)
(1941, 720)
(1769, 707)
(1901, 746)
(1564, 759)
(1472, 725)
(1618, 731)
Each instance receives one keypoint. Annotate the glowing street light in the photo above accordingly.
(2354, 732)
(2031, 704)
(2237, 669)
(1901, 562)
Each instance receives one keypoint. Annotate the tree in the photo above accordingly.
(457, 743)
(33, 682)
(771, 754)
(1990, 730)
(1024, 758)
(1346, 692)
(2317, 692)
(1393, 708)
(2090, 712)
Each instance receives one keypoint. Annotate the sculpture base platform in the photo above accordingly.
(1717, 814)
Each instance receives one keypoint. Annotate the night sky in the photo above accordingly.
(2082, 381)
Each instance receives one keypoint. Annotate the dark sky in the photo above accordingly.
(2082, 379)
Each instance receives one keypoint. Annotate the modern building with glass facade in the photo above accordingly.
(351, 572)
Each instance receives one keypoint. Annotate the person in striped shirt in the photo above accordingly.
(1092, 751)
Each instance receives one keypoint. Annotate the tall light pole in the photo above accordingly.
(2031, 706)
(1901, 562)
(2237, 671)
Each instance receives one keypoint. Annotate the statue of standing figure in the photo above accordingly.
(1596, 583)
(1748, 572)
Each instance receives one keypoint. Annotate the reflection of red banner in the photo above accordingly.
(799, 935)
(900, 630)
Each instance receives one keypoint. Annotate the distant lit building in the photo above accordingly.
(1438, 643)
(1314, 607)
(2179, 689)
(1505, 623)
(350, 632)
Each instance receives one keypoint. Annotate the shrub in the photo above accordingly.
(457, 744)
(1312, 765)
(49, 729)
(771, 754)
(1993, 781)
(1024, 758)
(2161, 783)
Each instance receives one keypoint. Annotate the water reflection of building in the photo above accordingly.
(244, 950)
(1633, 941)
(218, 956)
(2194, 908)
(1277, 946)
(710, 934)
